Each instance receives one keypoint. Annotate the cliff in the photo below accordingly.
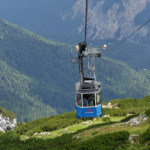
(7, 124)
(8, 120)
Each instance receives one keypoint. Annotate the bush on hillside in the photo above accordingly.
(1, 134)
(107, 141)
(10, 136)
(114, 112)
(106, 119)
(48, 124)
(145, 136)
(101, 142)
(147, 112)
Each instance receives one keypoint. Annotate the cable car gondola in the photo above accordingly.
(87, 90)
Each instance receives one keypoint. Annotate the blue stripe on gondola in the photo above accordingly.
(89, 111)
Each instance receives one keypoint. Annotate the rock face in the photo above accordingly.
(109, 105)
(137, 120)
(6, 124)
(134, 138)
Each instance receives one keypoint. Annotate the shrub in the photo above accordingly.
(107, 141)
(147, 112)
(1, 134)
(106, 119)
(114, 112)
(94, 132)
(48, 124)
(145, 136)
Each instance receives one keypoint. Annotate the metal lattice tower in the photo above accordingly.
(91, 53)
(91, 66)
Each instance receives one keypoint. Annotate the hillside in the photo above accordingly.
(30, 66)
(37, 77)
(126, 127)
(7, 113)
(121, 81)
(15, 95)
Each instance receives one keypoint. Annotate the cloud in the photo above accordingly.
(104, 24)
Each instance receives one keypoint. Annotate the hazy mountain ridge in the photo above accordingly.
(113, 21)
(106, 18)
(108, 21)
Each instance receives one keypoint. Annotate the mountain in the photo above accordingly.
(126, 127)
(64, 19)
(108, 23)
(39, 16)
(15, 95)
(30, 67)
(121, 81)
(37, 77)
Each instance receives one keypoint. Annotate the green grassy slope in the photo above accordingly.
(128, 106)
(66, 132)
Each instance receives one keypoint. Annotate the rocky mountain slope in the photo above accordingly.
(108, 23)
(8, 120)
(63, 19)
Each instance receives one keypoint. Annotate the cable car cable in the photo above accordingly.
(125, 39)
(86, 14)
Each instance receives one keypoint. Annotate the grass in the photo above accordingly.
(92, 129)
(66, 127)
(71, 129)
(86, 130)
(115, 127)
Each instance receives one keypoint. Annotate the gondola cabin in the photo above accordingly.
(88, 90)
(88, 101)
